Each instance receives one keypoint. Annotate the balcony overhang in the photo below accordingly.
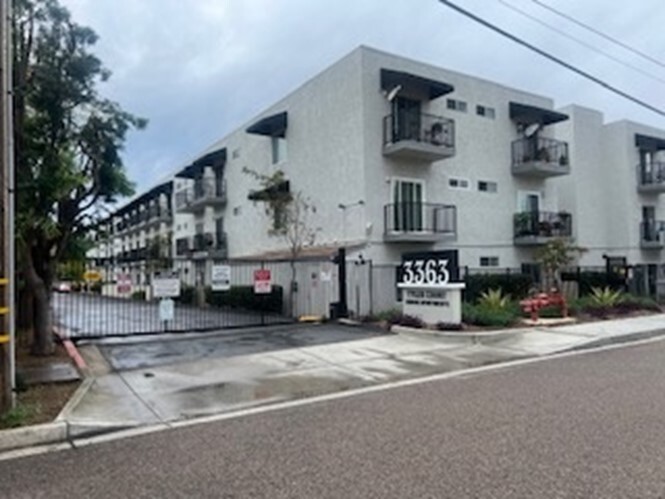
(433, 89)
(215, 159)
(525, 114)
(418, 236)
(271, 126)
(648, 143)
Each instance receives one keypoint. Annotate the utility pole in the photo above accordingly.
(7, 253)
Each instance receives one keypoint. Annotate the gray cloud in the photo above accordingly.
(200, 68)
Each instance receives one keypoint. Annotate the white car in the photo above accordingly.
(62, 287)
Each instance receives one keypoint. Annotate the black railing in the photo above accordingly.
(209, 188)
(220, 240)
(651, 173)
(419, 127)
(540, 149)
(420, 218)
(542, 224)
(651, 231)
(203, 241)
(182, 246)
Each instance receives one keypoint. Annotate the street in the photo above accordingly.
(583, 426)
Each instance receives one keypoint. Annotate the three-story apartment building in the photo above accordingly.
(399, 156)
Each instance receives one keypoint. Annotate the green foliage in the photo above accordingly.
(556, 255)
(244, 297)
(68, 141)
(138, 295)
(589, 280)
(494, 299)
(605, 297)
(479, 315)
(187, 294)
(515, 285)
(16, 416)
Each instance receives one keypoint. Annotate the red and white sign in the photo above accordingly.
(124, 284)
(262, 281)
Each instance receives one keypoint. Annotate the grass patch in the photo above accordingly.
(18, 416)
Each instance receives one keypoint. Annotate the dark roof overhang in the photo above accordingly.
(416, 84)
(272, 126)
(215, 159)
(527, 115)
(648, 143)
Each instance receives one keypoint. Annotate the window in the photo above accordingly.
(489, 261)
(459, 183)
(487, 186)
(457, 105)
(236, 153)
(236, 211)
(408, 207)
(278, 145)
(487, 112)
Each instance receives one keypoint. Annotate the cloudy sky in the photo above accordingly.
(197, 69)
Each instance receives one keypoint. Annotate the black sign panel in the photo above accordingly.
(429, 268)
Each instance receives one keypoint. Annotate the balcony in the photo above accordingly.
(419, 222)
(414, 135)
(540, 157)
(651, 234)
(651, 178)
(182, 246)
(158, 214)
(204, 192)
(540, 227)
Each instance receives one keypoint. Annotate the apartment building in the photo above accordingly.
(400, 156)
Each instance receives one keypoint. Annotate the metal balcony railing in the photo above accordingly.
(418, 127)
(542, 224)
(540, 149)
(651, 174)
(651, 232)
(420, 218)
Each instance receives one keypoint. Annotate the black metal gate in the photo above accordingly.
(101, 298)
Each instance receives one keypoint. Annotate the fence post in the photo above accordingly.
(263, 301)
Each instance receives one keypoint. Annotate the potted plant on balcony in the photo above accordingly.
(543, 155)
(523, 224)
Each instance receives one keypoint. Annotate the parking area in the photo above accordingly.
(139, 354)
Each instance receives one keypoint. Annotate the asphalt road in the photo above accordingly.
(588, 426)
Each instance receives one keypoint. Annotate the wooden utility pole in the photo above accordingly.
(7, 336)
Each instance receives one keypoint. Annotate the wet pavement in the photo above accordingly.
(173, 350)
(82, 315)
(163, 381)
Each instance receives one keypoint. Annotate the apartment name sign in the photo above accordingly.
(432, 290)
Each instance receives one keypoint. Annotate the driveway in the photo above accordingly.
(139, 354)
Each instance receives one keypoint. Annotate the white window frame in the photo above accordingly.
(522, 197)
(278, 150)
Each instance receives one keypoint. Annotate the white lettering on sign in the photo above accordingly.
(165, 287)
(221, 277)
(425, 272)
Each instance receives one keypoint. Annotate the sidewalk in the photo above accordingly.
(201, 387)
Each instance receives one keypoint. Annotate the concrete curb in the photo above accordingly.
(463, 337)
(42, 434)
(618, 339)
(75, 399)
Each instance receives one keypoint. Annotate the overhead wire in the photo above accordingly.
(600, 33)
(580, 41)
(553, 58)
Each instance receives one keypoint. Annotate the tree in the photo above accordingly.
(554, 256)
(68, 141)
(290, 215)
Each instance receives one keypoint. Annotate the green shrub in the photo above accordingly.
(631, 303)
(449, 326)
(515, 285)
(550, 312)
(494, 299)
(605, 297)
(589, 280)
(96, 287)
(245, 298)
(138, 295)
(187, 294)
(411, 321)
(479, 315)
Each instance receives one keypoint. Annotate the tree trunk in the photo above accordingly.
(40, 287)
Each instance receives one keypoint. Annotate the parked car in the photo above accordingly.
(62, 287)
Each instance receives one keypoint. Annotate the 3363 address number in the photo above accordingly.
(430, 271)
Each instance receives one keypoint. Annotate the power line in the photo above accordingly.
(600, 33)
(579, 41)
(549, 56)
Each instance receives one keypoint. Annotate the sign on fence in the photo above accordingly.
(262, 281)
(168, 287)
(92, 276)
(166, 310)
(124, 284)
(221, 277)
